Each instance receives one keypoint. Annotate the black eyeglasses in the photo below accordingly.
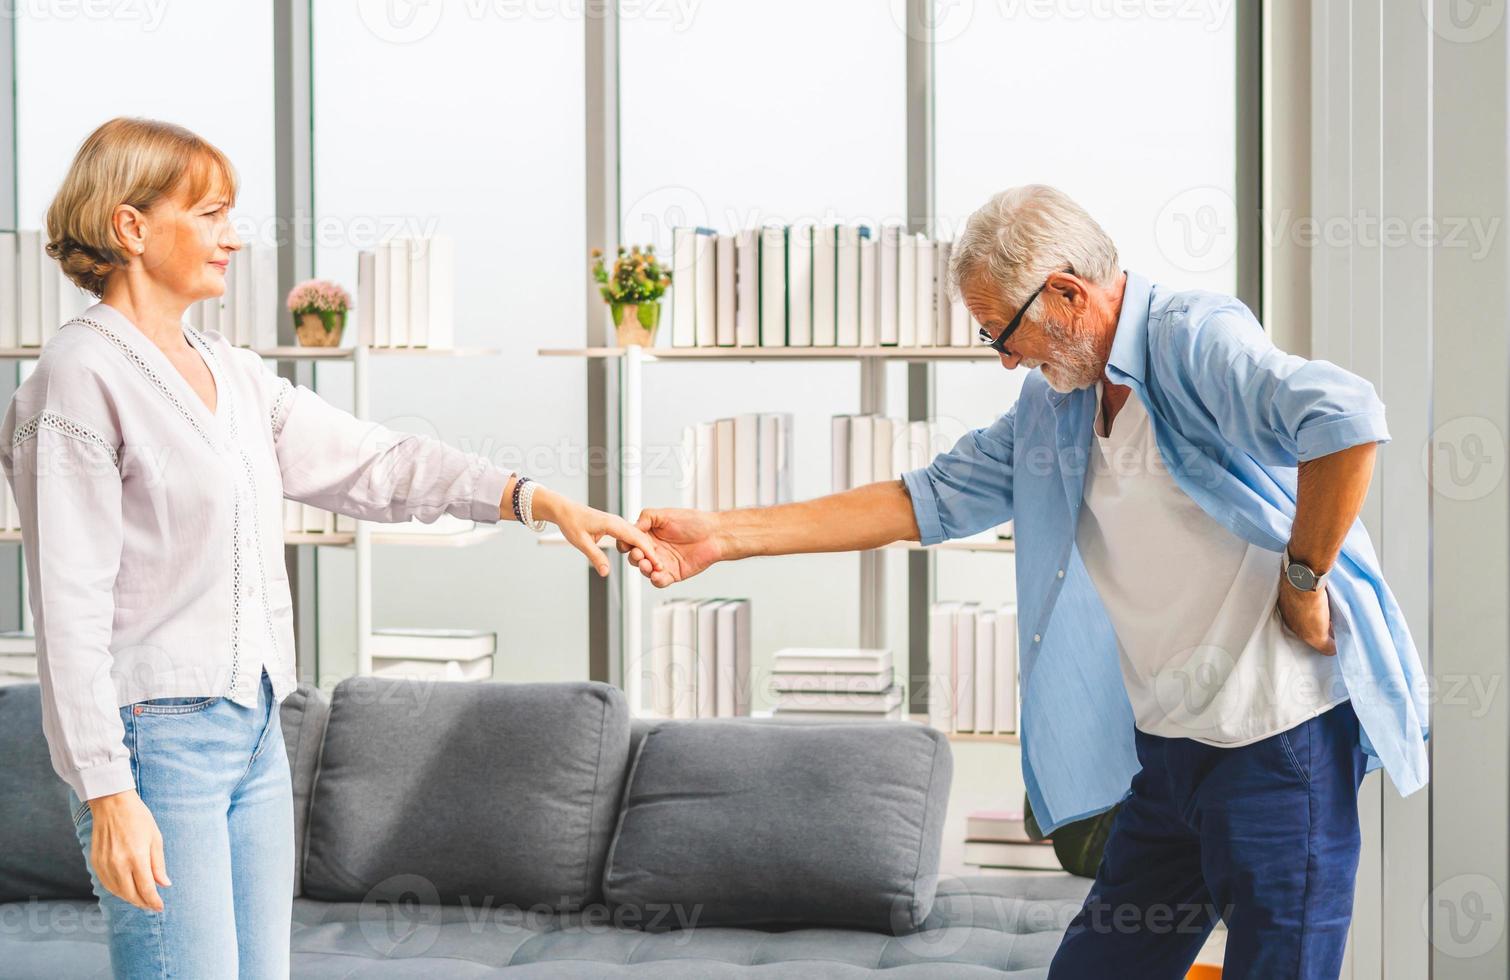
(1000, 343)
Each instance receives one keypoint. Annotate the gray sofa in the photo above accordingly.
(533, 830)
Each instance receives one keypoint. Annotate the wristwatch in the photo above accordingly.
(1300, 575)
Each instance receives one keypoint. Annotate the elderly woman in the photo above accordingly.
(149, 461)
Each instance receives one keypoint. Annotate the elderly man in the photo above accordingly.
(1205, 634)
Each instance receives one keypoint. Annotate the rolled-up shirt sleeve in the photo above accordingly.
(1280, 408)
(67, 486)
(969, 488)
(333, 460)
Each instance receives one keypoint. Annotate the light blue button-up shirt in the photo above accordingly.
(1232, 416)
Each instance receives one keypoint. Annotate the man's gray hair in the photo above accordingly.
(1023, 235)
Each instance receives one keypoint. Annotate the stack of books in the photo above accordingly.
(433, 654)
(745, 461)
(870, 448)
(999, 839)
(813, 285)
(18, 657)
(406, 293)
(819, 684)
(972, 668)
(248, 313)
(35, 297)
(700, 658)
(302, 518)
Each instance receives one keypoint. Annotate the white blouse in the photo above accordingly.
(153, 527)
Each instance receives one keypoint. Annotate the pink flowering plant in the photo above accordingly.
(318, 296)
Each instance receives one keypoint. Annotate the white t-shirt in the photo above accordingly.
(1205, 653)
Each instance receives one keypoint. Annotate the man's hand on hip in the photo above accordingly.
(1308, 616)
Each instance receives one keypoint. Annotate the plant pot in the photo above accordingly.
(320, 328)
(635, 323)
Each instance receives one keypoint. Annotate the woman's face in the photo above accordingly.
(187, 244)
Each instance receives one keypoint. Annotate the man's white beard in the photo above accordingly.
(1077, 364)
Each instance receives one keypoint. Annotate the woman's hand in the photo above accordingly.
(582, 526)
(126, 849)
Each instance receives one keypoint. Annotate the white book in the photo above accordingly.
(840, 453)
(707, 659)
(985, 671)
(433, 644)
(825, 285)
(10, 307)
(887, 287)
(848, 702)
(723, 448)
(907, 290)
(919, 444)
(925, 306)
(72, 300)
(964, 667)
(50, 288)
(734, 659)
(961, 330)
(775, 459)
(869, 292)
(398, 292)
(382, 305)
(746, 460)
(1005, 674)
(687, 479)
(29, 286)
(706, 260)
(270, 312)
(440, 316)
(880, 453)
(683, 657)
(840, 717)
(245, 315)
(365, 298)
(659, 681)
(941, 618)
(707, 468)
(683, 287)
(867, 683)
(293, 516)
(437, 670)
(799, 286)
(747, 288)
(318, 521)
(942, 336)
(861, 450)
(847, 287)
(727, 330)
(773, 286)
(831, 660)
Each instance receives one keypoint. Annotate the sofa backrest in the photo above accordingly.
(41, 857)
(456, 792)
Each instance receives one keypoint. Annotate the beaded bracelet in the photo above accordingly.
(525, 505)
(518, 486)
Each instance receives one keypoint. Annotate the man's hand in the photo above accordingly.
(687, 542)
(1308, 615)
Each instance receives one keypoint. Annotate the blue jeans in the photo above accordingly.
(1263, 836)
(215, 777)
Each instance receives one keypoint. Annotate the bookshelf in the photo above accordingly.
(872, 363)
(365, 537)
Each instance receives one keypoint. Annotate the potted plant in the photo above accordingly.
(633, 291)
(319, 307)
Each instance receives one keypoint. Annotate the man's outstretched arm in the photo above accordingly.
(867, 517)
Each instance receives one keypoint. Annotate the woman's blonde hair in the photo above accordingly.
(125, 161)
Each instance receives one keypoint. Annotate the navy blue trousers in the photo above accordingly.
(1263, 836)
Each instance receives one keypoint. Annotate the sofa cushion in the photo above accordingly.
(757, 823)
(303, 715)
(41, 857)
(484, 792)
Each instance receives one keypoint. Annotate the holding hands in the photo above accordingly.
(688, 542)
